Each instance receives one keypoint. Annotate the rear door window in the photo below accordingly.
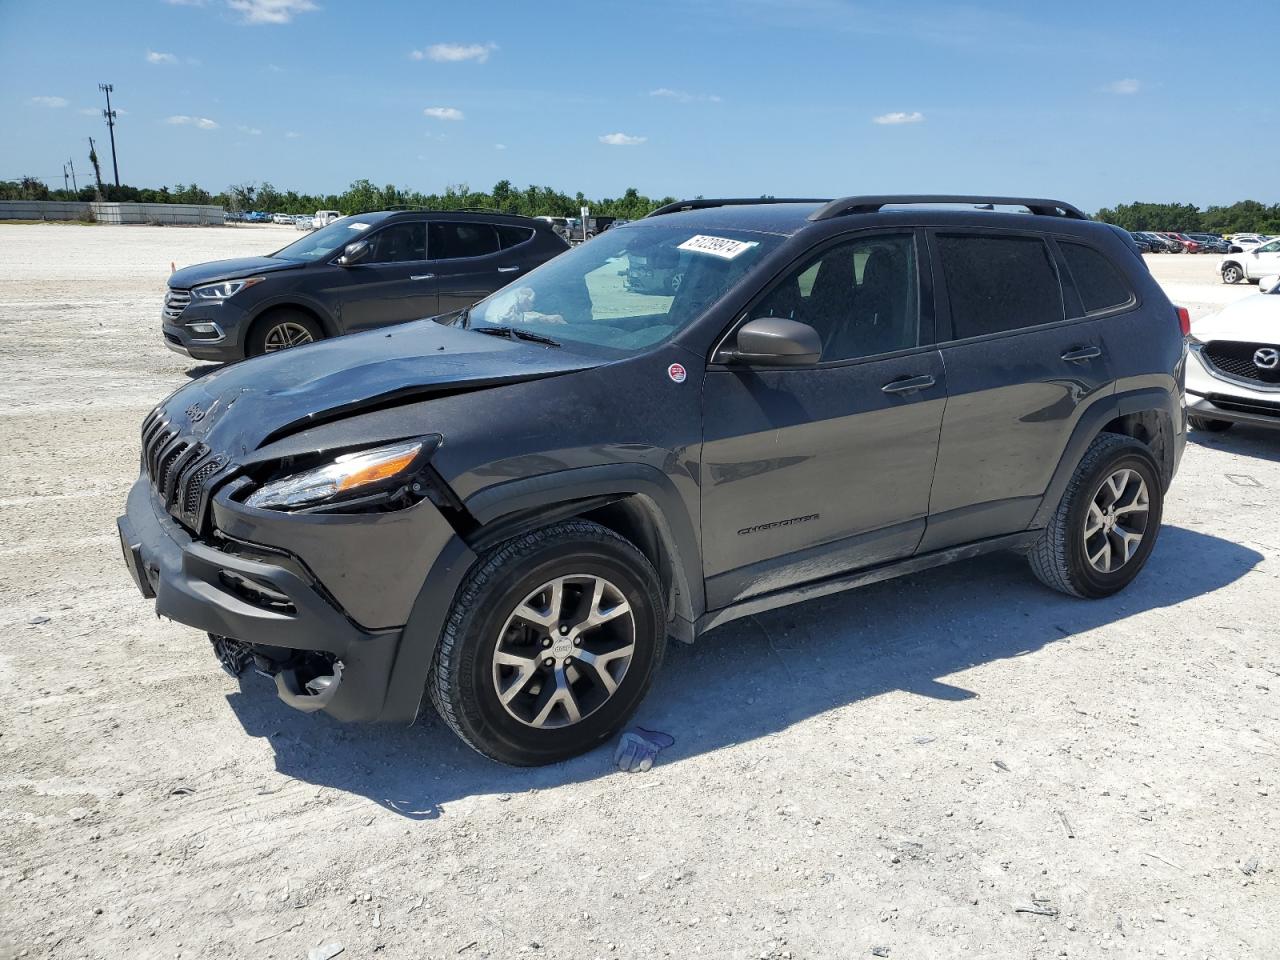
(999, 283)
(449, 241)
(1100, 285)
(511, 236)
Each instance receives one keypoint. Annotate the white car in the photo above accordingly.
(304, 222)
(1253, 264)
(1233, 363)
(323, 218)
(283, 219)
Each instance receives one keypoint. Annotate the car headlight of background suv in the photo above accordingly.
(217, 292)
(350, 476)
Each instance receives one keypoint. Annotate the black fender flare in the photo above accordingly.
(504, 510)
(1100, 413)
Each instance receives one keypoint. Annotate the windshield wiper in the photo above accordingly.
(512, 333)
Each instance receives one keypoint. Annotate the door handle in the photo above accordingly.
(909, 385)
(508, 269)
(423, 276)
(1081, 354)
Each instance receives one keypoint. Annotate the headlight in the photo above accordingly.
(351, 474)
(220, 291)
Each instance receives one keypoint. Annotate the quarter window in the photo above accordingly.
(450, 241)
(400, 243)
(862, 297)
(1100, 285)
(999, 283)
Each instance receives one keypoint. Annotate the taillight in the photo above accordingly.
(1184, 319)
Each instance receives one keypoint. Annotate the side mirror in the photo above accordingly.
(775, 341)
(353, 253)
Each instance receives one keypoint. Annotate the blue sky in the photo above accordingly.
(1096, 103)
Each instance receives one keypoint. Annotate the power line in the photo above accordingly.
(110, 116)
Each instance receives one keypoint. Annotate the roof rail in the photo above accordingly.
(703, 203)
(847, 206)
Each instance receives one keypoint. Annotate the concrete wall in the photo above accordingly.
(173, 213)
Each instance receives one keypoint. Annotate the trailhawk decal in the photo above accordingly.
(721, 247)
(760, 527)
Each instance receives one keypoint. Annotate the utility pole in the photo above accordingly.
(72, 164)
(65, 180)
(110, 116)
(97, 170)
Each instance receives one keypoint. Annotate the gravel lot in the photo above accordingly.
(956, 764)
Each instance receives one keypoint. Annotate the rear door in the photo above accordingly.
(811, 471)
(469, 261)
(392, 284)
(1023, 362)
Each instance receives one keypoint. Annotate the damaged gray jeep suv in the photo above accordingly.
(507, 510)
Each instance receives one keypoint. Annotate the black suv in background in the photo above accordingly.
(357, 273)
(506, 511)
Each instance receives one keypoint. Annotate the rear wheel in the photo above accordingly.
(281, 330)
(1209, 424)
(1106, 525)
(551, 644)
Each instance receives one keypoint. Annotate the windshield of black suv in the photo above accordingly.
(327, 241)
(628, 289)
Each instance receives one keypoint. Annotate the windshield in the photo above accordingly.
(327, 240)
(627, 289)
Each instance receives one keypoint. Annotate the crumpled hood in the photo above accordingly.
(1251, 319)
(239, 408)
(215, 270)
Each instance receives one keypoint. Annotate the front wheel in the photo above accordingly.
(1232, 273)
(281, 330)
(551, 644)
(1106, 525)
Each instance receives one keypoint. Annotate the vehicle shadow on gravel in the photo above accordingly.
(203, 370)
(754, 677)
(1243, 440)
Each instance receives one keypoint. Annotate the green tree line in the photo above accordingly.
(1245, 216)
(362, 195)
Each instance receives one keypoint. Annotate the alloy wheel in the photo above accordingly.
(1116, 520)
(563, 651)
(285, 335)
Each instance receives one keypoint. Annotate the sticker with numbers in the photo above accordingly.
(721, 247)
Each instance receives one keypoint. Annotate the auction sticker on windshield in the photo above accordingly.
(721, 247)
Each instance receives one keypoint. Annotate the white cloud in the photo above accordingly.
(891, 119)
(204, 123)
(499, 146)
(1123, 87)
(186, 3)
(154, 57)
(50, 101)
(443, 113)
(683, 96)
(252, 131)
(455, 52)
(293, 135)
(621, 140)
(270, 11)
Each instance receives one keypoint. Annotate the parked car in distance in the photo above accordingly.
(1253, 264)
(322, 218)
(1233, 366)
(1241, 242)
(1145, 244)
(1188, 245)
(304, 222)
(506, 511)
(355, 274)
(284, 219)
(1162, 243)
(1209, 243)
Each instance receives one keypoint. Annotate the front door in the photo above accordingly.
(393, 282)
(812, 471)
(1263, 261)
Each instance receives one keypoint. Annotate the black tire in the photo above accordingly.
(461, 683)
(1058, 558)
(1231, 273)
(267, 327)
(1208, 424)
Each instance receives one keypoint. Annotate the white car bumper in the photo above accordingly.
(1217, 394)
